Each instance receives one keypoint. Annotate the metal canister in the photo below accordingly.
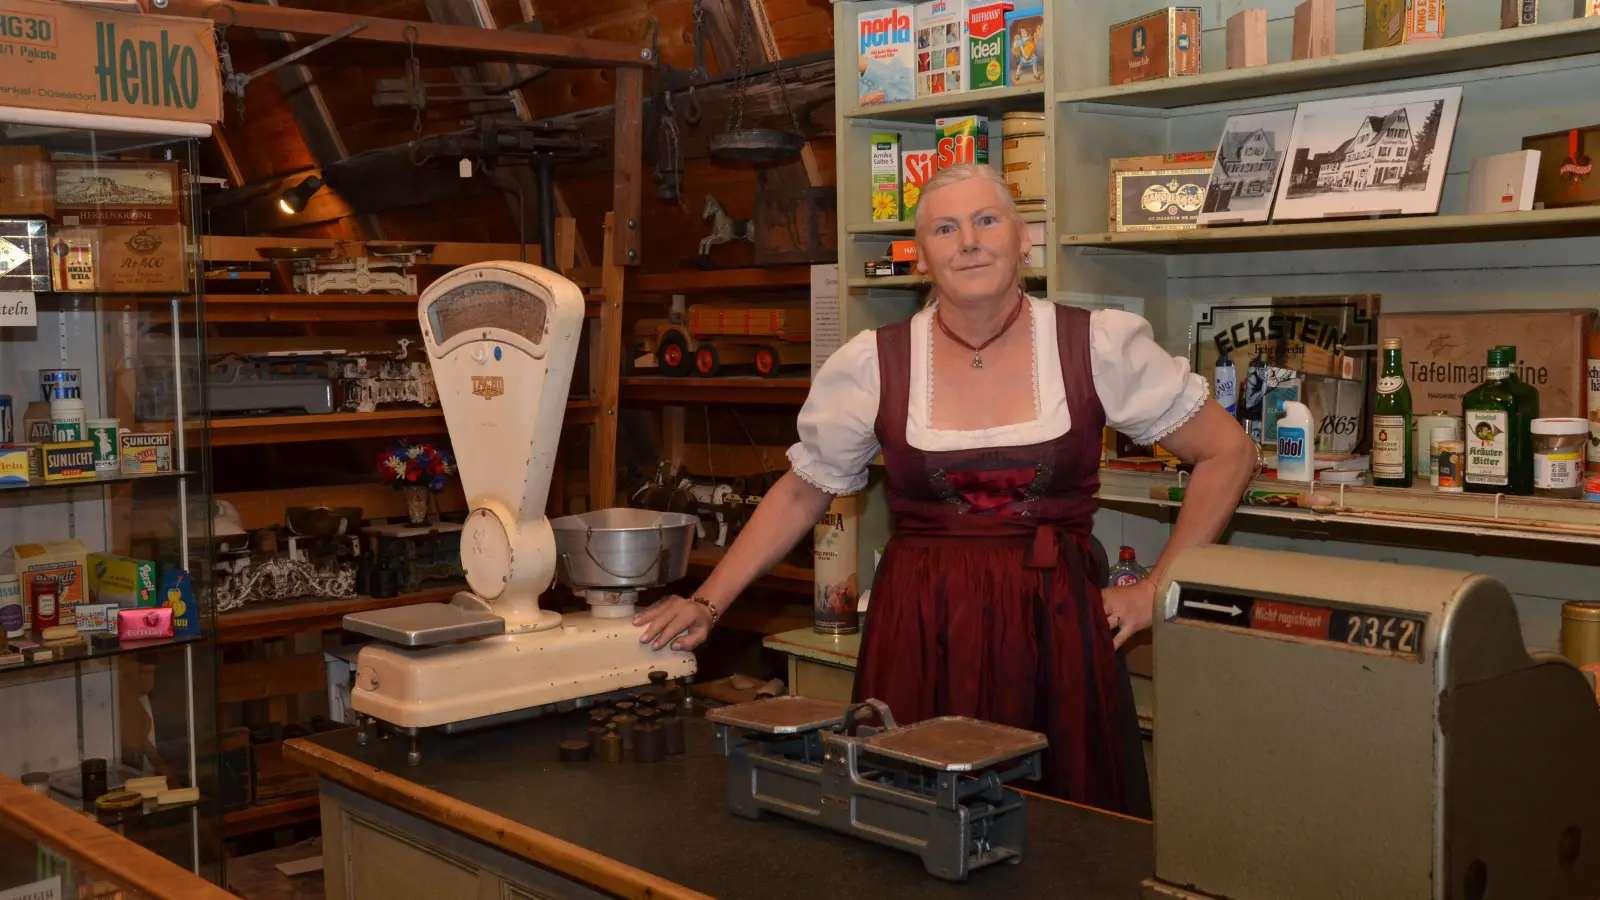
(833, 554)
(51, 379)
(1580, 632)
(1450, 466)
(1022, 158)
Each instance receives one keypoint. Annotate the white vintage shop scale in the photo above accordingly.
(502, 338)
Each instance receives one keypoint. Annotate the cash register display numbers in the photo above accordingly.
(1379, 630)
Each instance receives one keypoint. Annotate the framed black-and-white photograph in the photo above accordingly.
(1244, 179)
(1379, 155)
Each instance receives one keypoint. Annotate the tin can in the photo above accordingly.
(103, 434)
(50, 379)
(13, 618)
(834, 555)
(1591, 488)
(1449, 468)
(1022, 158)
(1580, 632)
(8, 420)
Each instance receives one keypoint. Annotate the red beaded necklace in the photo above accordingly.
(977, 351)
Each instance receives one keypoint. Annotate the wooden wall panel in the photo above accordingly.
(800, 26)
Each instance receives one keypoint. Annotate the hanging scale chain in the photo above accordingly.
(415, 89)
(747, 27)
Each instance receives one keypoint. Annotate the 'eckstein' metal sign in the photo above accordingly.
(54, 56)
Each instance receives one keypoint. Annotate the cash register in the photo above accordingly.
(1328, 728)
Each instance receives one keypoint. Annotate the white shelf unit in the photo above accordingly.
(1515, 83)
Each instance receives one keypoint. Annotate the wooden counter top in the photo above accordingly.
(664, 830)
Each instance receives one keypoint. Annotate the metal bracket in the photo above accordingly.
(235, 84)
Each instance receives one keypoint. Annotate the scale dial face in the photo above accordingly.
(486, 554)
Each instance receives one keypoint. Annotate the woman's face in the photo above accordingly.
(970, 243)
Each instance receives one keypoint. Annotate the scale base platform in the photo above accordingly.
(913, 788)
(1154, 889)
(439, 686)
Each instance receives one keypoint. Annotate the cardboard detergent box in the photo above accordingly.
(1445, 354)
(122, 580)
(62, 560)
(60, 57)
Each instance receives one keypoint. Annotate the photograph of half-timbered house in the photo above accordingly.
(1385, 154)
(1250, 158)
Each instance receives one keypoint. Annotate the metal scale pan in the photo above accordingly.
(954, 744)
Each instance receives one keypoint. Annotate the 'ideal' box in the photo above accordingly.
(121, 580)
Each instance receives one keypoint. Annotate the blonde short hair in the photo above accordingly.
(963, 172)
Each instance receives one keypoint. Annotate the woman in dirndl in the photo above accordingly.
(988, 407)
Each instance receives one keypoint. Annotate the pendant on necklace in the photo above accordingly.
(977, 361)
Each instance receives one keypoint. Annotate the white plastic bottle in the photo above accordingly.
(1295, 443)
(66, 414)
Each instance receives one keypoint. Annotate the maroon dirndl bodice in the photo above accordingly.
(987, 600)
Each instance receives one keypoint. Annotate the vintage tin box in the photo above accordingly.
(1159, 193)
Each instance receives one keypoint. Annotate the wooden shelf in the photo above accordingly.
(690, 281)
(1414, 509)
(916, 281)
(1484, 50)
(691, 390)
(286, 617)
(331, 427)
(989, 101)
(783, 577)
(907, 228)
(310, 308)
(1345, 233)
(226, 432)
(273, 814)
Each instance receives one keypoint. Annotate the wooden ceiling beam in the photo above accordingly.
(467, 43)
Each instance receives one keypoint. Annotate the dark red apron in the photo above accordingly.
(987, 600)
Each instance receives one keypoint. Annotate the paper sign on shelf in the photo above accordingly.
(48, 889)
(826, 327)
(18, 310)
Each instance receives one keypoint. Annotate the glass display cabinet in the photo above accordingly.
(108, 671)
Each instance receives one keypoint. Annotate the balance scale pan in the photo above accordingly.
(781, 715)
(954, 743)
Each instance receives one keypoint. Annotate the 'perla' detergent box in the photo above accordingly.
(885, 65)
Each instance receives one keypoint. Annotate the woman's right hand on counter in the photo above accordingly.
(680, 620)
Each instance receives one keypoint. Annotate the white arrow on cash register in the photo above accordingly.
(1212, 607)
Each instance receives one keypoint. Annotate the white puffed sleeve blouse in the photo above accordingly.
(1146, 392)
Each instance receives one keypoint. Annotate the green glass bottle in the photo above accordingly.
(1499, 440)
(1391, 422)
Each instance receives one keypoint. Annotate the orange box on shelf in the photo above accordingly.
(903, 251)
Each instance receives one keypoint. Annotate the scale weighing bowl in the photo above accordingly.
(623, 549)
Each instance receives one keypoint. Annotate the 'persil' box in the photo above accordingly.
(121, 580)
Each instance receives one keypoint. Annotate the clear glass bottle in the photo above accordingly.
(1497, 430)
(1392, 463)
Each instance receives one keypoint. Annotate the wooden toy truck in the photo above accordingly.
(765, 337)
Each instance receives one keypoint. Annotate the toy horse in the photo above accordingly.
(724, 228)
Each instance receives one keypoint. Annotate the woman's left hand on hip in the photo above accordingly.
(1129, 609)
